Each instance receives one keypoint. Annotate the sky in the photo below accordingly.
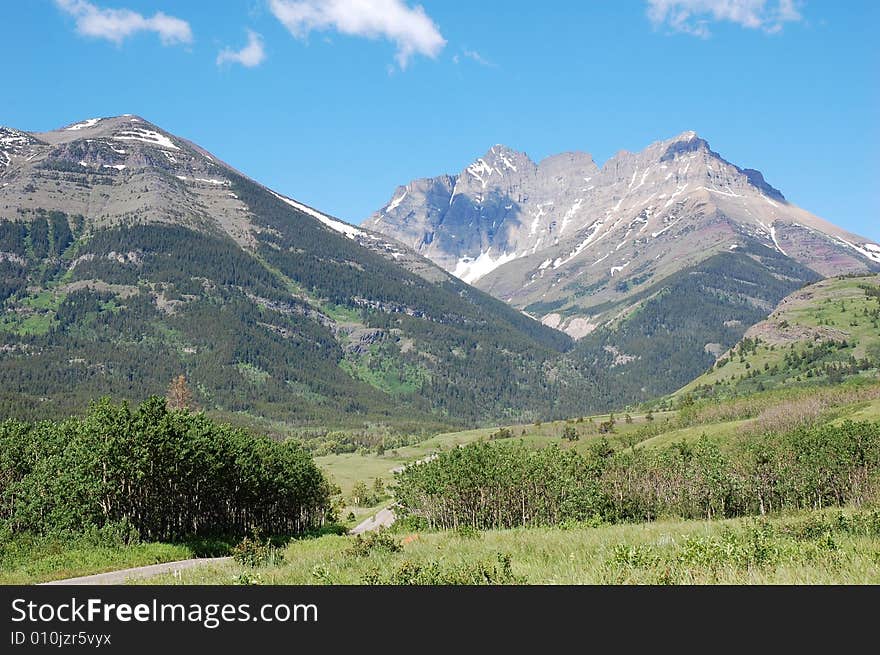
(338, 102)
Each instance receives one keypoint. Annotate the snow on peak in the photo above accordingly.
(482, 171)
(394, 204)
(10, 136)
(91, 122)
(503, 156)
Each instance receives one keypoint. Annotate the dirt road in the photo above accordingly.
(382, 519)
(121, 577)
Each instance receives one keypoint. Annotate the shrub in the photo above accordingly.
(252, 552)
(484, 572)
(379, 541)
(467, 532)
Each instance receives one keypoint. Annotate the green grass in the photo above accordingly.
(834, 309)
(869, 411)
(810, 548)
(385, 373)
(28, 563)
(721, 433)
(30, 325)
(36, 316)
(46, 300)
(252, 374)
(343, 314)
(348, 468)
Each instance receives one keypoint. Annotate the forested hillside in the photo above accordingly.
(682, 324)
(274, 312)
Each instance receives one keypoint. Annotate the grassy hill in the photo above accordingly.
(825, 333)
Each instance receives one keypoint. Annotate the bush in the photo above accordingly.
(248, 579)
(484, 572)
(467, 532)
(252, 552)
(379, 541)
(503, 485)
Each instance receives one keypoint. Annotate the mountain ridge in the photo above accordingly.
(535, 238)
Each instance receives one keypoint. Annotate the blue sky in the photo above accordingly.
(336, 102)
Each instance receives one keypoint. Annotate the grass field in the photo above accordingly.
(813, 548)
(26, 563)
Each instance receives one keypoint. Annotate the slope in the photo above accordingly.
(825, 333)
(129, 255)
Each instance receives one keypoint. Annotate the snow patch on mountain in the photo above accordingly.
(482, 172)
(343, 228)
(504, 160)
(394, 204)
(470, 270)
(869, 250)
(776, 241)
(91, 122)
(146, 136)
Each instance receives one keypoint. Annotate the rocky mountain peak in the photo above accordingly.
(684, 143)
(563, 237)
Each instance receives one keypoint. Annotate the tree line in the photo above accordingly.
(163, 474)
(497, 485)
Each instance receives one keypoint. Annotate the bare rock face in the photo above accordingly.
(574, 244)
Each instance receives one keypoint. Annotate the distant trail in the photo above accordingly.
(138, 573)
(382, 519)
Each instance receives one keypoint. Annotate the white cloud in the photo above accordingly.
(252, 55)
(118, 24)
(475, 56)
(410, 28)
(694, 16)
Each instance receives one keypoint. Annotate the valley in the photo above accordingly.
(175, 335)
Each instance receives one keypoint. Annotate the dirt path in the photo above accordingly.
(382, 519)
(121, 577)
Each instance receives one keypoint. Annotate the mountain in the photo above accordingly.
(824, 333)
(129, 255)
(656, 262)
(577, 245)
